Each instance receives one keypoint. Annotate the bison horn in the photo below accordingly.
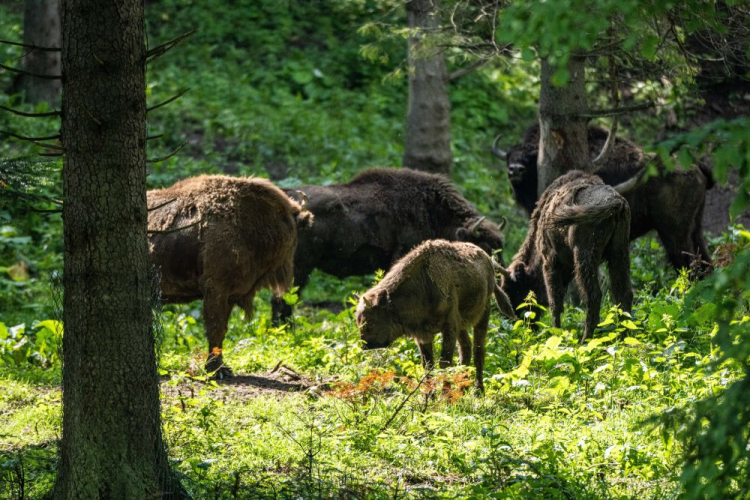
(502, 224)
(305, 200)
(625, 187)
(599, 160)
(474, 229)
(503, 155)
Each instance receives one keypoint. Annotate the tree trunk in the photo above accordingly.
(111, 441)
(563, 133)
(41, 27)
(428, 126)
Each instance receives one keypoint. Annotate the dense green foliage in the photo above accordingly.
(285, 89)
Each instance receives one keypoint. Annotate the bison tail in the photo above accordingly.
(304, 218)
(587, 214)
(503, 303)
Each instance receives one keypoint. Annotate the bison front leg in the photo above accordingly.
(464, 348)
(480, 349)
(427, 354)
(216, 311)
(450, 336)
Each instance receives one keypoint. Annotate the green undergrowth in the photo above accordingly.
(558, 419)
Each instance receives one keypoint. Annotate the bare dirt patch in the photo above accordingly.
(279, 382)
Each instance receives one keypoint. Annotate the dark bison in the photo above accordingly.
(440, 286)
(377, 217)
(239, 236)
(578, 223)
(672, 204)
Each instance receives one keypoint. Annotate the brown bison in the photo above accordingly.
(579, 222)
(440, 286)
(221, 239)
(377, 217)
(672, 203)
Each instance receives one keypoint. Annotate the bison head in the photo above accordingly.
(377, 325)
(521, 160)
(483, 233)
(517, 282)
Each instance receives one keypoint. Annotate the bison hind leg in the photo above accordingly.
(464, 347)
(216, 311)
(480, 347)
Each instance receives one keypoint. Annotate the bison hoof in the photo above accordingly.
(222, 373)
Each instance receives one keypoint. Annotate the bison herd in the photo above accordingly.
(221, 239)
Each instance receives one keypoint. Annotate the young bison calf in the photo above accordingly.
(439, 286)
(578, 223)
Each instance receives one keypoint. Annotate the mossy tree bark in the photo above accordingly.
(41, 27)
(428, 127)
(563, 137)
(111, 441)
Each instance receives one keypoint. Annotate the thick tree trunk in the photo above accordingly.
(428, 126)
(111, 441)
(563, 138)
(41, 27)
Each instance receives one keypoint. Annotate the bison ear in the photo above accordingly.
(462, 234)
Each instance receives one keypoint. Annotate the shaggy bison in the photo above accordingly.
(578, 223)
(440, 286)
(672, 203)
(377, 217)
(221, 239)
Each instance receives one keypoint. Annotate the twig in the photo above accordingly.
(31, 46)
(408, 396)
(171, 99)
(455, 75)
(157, 207)
(30, 115)
(162, 158)
(159, 50)
(152, 137)
(93, 117)
(31, 139)
(601, 113)
(173, 230)
(51, 154)
(29, 73)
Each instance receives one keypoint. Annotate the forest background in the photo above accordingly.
(305, 94)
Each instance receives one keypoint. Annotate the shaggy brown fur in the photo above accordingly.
(672, 203)
(377, 217)
(440, 286)
(578, 223)
(244, 240)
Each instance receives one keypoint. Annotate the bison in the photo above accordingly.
(377, 217)
(221, 239)
(578, 223)
(671, 203)
(440, 286)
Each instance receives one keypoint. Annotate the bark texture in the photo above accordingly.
(563, 139)
(41, 27)
(428, 128)
(112, 444)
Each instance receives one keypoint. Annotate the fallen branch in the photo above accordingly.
(170, 155)
(403, 403)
